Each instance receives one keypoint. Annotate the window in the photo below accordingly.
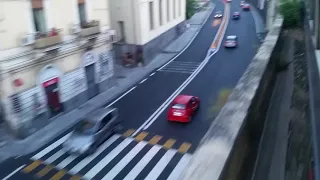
(179, 8)
(168, 10)
(85, 127)
(122, 34)
(151, 15)
(160, 12)
(82, 12)
(39, 20)
(174, 9)
(179, 106)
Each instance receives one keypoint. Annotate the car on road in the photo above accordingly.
(218, 14)
(231, 41)
(183, 108)
(92, 130)
(242, 3)
(246, 7)
(228, 1)
(236, 15)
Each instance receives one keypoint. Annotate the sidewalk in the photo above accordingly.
(125, 77)
(259, 24)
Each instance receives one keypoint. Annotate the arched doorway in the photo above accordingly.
(49, 78)
(89, 60)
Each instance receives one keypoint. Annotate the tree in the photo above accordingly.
(290, 9)
(191, 8)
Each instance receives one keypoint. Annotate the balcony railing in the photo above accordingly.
(47, 39)
(90, 28)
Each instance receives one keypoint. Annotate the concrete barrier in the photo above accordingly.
(228, 149)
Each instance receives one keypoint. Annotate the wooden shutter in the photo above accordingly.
(80, 1)
(36, 4)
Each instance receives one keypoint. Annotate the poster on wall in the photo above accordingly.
(105, 66)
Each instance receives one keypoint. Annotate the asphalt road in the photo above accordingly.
(163, 149)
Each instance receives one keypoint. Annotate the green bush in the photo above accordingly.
(290, 9)
(190, 8)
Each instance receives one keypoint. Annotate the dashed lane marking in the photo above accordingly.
(155, 139)
(128, 132)
(169, 143)
(44, 171)
(119, 143)
(184, 148)
(141, 136)
(32, 166)
(58, 175)
(13, 172)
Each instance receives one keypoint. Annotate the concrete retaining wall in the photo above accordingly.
(228, 149)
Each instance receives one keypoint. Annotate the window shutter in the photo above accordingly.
(80, 1)
(37, 4)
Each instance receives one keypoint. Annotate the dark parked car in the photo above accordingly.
(92, 131)
(236, 15)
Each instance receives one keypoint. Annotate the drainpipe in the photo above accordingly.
(134, 20)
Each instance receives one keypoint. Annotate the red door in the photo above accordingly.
(53, 99)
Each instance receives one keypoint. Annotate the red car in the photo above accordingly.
(183, 108)
(246, 7)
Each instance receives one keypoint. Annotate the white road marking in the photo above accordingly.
(13, 172)
(66, 161)
(173, 71)
(105, 161)
(143, 81)
(88, 159)
(152, 74)
(177, 171)
(142, 163)
(125, 160)
(190, 40)
(121, 96)
(17, 157)
(45, 151)
(158, 168)
(158, 112)
(55, 156)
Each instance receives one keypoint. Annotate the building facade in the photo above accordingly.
(54, 56)
(146, 26)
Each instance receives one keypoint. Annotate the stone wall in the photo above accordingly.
(234, 134)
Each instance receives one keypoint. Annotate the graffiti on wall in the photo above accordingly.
(105, 66)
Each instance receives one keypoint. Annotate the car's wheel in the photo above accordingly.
(190, 118)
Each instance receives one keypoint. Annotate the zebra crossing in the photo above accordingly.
(144, 156)
(181, 67)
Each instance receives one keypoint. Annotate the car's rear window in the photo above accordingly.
(231, 38)
(179, 106)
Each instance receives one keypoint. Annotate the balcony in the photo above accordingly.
(89, 28)
(47, 39)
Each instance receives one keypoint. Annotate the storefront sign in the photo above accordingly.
(88, 58)
(50, 82)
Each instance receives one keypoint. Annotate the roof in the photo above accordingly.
(182, 99)
(236, 13)
(97, 114)
(232, 37)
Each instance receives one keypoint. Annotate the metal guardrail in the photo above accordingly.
(314, 96)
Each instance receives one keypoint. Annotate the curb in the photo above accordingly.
(114, 97)
(261, 34)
